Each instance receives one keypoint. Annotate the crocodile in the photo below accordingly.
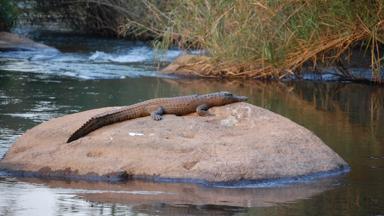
(157, 107)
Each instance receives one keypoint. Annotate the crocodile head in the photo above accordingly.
(231, 97)
(227, 97)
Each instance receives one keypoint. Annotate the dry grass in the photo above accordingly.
(271, 38)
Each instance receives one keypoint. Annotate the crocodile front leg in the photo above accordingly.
(202, 110)
(157, 114)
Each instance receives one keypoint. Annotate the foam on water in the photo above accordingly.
(130, 61)
(136, 54)
(140, 54)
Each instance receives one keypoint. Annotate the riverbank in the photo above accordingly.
(107, 57)
(244, 39)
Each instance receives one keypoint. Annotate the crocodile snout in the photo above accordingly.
(241, 98)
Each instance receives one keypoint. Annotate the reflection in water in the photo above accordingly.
(33, 198)
(39, 196)
(347, 117)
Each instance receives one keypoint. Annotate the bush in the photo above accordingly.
(125, 18)
(8, 14)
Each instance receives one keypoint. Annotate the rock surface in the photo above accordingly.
(187, 66)
(12, 42)
(240, 142)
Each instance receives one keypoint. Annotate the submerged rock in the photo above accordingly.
(13, 42)
(240, 142)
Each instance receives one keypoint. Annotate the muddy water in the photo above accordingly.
(88, 74)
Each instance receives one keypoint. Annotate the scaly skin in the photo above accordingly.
(182, 105)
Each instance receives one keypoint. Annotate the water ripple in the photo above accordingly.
(132, 61)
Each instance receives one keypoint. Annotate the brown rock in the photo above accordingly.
(188, 66)
(240, 142)
(11, 42)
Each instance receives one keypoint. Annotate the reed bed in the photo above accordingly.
(272, 38)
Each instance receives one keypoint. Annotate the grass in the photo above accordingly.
(274, 38)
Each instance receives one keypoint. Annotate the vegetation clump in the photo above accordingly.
(8, 14)
(273, 38)
(123, 18)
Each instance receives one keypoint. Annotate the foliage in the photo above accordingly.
(125, 18)
(8, 14)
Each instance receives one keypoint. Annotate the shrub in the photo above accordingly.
(125, 18)
(8, 14)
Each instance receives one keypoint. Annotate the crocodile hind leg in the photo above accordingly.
(157, 114)
(202, 110)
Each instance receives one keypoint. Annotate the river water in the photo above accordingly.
(93, 72)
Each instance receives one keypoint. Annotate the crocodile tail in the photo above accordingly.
(106, 118)
(93, 124)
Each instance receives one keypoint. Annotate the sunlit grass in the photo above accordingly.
(272, 38)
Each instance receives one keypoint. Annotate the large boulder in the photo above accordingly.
(239, 142)
(14, 42)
